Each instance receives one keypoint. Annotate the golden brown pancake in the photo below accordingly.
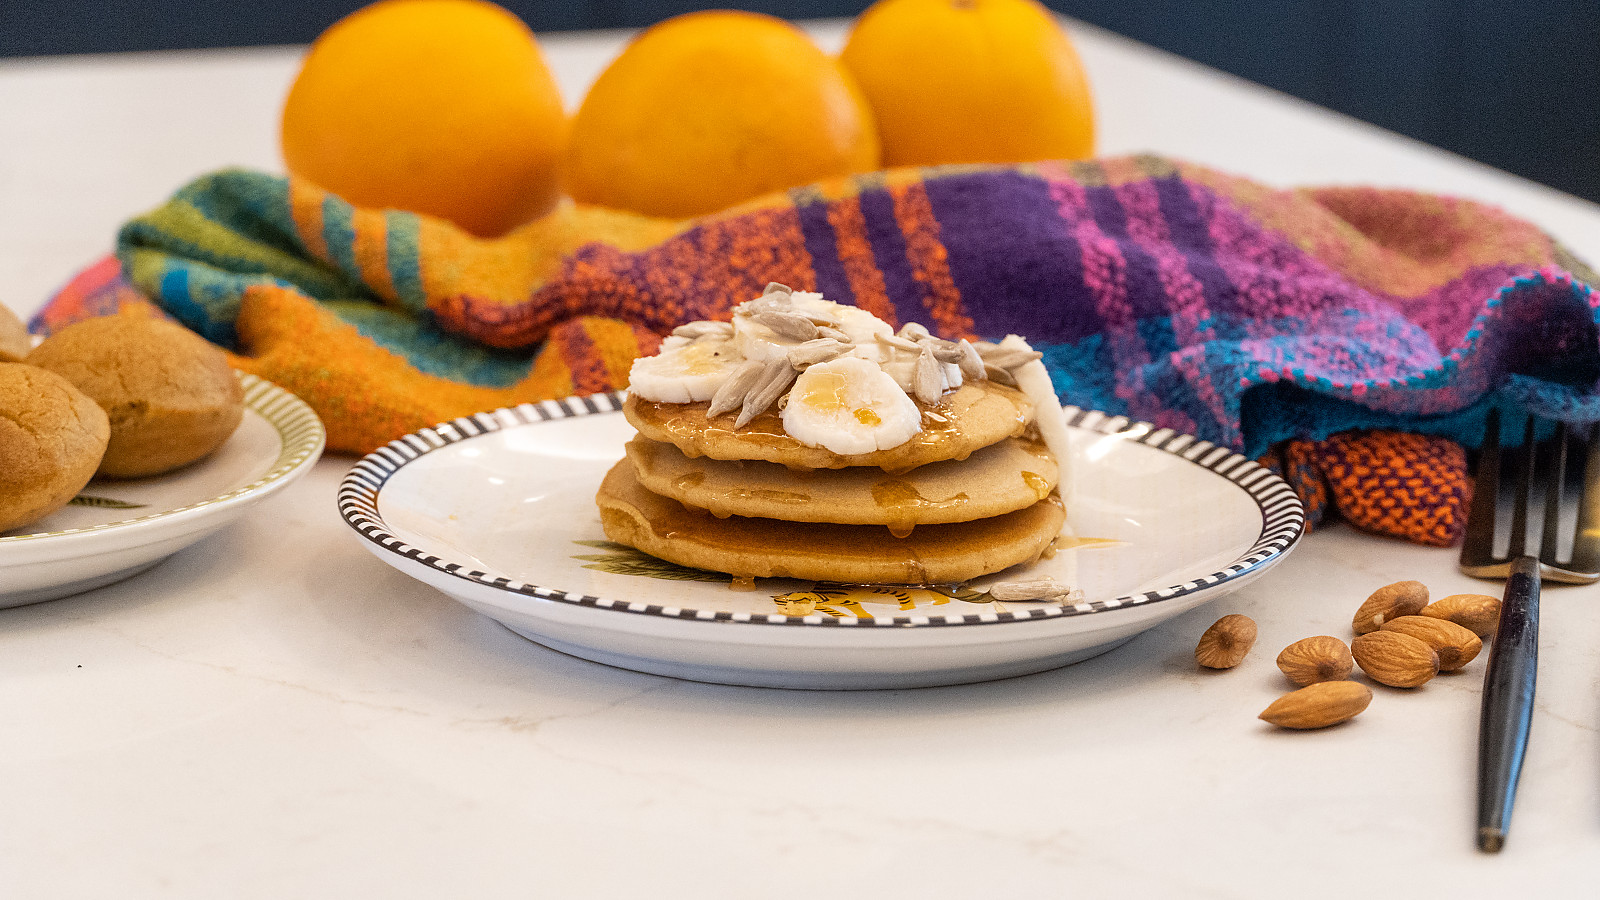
(972, 417)
(998, 479)
(869, 554)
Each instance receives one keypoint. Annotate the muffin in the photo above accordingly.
(14, 341)
(52, 436)
(169, 395)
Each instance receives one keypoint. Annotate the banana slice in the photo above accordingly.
(855, 322)
(850, 406)
(1034, 380)
(758, 342)
(902, 367)
(684, 371)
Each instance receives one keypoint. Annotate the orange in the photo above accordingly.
(708, 109)
(443, 107)
(971, 81)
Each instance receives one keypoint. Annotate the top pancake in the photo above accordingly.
(974, 416)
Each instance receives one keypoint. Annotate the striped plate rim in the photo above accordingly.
(1283, 516)
(300, 442)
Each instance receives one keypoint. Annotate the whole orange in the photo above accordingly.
(971, 81)
(707, 109)
(442, 107)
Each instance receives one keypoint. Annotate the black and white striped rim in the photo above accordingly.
(300, 442)
(1283, 517)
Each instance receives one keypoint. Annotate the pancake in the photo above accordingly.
(998, 479)
(972, 417)
(867, 554)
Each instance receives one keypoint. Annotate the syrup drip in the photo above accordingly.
(1037, 482)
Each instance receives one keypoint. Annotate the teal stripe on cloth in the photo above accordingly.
(404, 261)
(178, 301)
(430, 350)
(339, 234)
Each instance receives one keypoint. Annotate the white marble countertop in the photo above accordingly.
(274, 712)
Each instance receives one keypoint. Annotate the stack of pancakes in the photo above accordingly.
(974, 492)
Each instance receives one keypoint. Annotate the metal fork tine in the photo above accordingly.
(1586, 537)
(1477, 551)
(1550, 536)
(1519, 508)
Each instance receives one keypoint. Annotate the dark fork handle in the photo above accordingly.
(1508, 703)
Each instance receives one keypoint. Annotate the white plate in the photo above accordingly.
(497, 510)
(145, 520)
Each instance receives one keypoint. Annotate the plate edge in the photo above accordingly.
(1283, 515)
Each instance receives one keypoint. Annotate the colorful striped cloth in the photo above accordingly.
(1158, 290)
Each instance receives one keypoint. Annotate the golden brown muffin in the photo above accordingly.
(14, 340)
(170, 396)
(51, 439)
(866, 554)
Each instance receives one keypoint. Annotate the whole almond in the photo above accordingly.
(1319, 705)
(1478, 613)
(1455, 645)
(1226, 642)
(1315, 659)
(1398, 660)
(1403, 598)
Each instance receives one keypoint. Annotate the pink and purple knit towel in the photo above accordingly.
(1355, 337)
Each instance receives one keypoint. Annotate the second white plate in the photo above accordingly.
(116, 529)
(497, 511)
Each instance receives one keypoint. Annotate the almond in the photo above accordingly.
(1478, 613)
(1319, 705)
(1226, 642)
(1403, 598)
(1398, 660)
(1314, 659)
(1455, 645)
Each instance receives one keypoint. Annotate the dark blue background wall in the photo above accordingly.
(1516, 85)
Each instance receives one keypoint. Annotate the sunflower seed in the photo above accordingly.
(787, 325)
(774, 287)
(1009, 357)
(817, 318)
(1045, 588)
(899, 343)
(950, 354)
(999, 376)
(697, 330)
(913, 331)
(971, 363)
(834, 334)
(927, 381)
(732, 392)
(775, 380)
(818, 351)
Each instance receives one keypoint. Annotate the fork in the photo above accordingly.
(1508, 685)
